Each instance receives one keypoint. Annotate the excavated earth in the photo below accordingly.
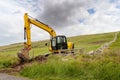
(20, 65)
(5, 74)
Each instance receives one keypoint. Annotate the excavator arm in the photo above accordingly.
(24, 53)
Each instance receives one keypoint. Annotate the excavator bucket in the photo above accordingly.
(23, 55)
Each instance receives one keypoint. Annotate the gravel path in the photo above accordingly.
(4, 76)
(104, 46)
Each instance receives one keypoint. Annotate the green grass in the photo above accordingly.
(8, 54)
(85, 41)
(7, 59)
(91, 42)
(78, 67)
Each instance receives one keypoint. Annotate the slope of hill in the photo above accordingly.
(78, 67)
(87, 42)
(104, 66)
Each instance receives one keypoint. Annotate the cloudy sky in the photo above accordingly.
(68, 17)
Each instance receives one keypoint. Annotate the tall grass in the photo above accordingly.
(6, 60)
(79, 67)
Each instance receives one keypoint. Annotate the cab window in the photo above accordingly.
(53, 42)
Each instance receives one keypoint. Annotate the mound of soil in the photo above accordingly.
(18, 66)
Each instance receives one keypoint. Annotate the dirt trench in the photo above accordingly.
(16, 68)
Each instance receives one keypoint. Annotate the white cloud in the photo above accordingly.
(10, 23)
(105, 19)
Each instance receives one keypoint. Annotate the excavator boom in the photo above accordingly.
(29, 20)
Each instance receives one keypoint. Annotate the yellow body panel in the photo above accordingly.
(70, 45)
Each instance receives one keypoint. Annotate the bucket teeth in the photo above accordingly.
(23, 55)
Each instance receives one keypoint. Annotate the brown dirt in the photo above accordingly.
(10, 70)
(98, 42)
(18, 66)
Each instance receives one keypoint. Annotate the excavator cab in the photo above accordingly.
(59, 42)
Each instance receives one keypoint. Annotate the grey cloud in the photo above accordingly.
(57, 13)
(60, 14)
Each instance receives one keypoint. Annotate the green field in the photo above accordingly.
(78, 67)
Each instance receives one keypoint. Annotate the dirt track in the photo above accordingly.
(104, 46)
(4, 76)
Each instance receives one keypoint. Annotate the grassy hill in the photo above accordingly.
(85, 41)
(78, 67)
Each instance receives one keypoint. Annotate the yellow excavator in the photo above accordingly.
(56, 42)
